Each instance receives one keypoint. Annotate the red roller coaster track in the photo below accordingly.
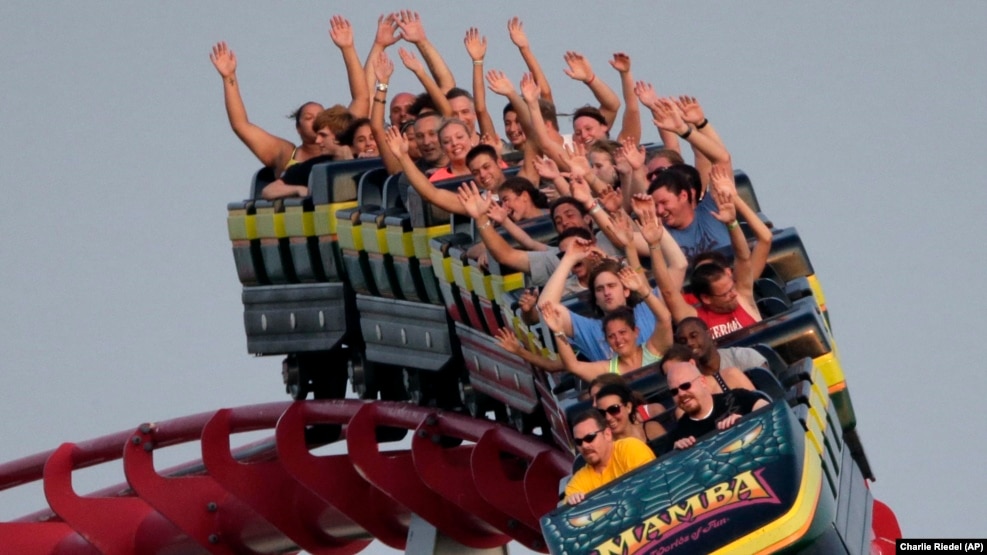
(477, 482)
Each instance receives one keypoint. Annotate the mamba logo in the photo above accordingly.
(743, 489)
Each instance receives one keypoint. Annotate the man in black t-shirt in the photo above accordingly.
(703, 411)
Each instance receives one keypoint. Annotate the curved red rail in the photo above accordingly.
(476, 481)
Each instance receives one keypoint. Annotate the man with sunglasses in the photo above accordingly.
(606, 459)
(703, 411)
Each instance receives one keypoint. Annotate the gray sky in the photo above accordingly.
(860, 123)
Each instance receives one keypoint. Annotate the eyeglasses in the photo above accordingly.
(588, 438)
(613, 410)
(684, 387)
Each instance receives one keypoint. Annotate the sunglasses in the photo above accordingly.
(588, 438)
(684, 387)
(613, 410)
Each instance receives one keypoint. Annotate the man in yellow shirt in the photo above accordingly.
(606, 459)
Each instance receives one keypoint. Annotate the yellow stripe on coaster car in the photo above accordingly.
(830, 368)
(791, 526)
(399, 241)
(817, 291)
(325, 220)
(298, 222)
(270, 224)
(460, 273)
(422, 236)
(241, 227)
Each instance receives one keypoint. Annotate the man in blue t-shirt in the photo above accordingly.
(690, 221)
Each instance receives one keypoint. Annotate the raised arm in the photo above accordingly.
(534, 128)
(383, 69)
(415, 66)
(520, 39)
(652, 231)
(272, 151)
(413, 31)
(661, 338)
(444, 199)
(581, 70)
(386, 36)
(578, 251)
(633, 156)
(476, 206)
(646, 94)
(508, 341)
(724, 194)
(631, 124)
(341, 33)
(668, 116)
(476, 47)
(552, 315)
(692, 114)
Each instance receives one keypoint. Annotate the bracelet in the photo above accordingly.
(733, 225)
(591, 79)
(381, 100)
(596, 208)
(478, 62)
(686, 134)
(703, 124)
(560, 335)
(485, 226)
(382, 87)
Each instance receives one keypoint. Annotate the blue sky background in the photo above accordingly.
(862, 124)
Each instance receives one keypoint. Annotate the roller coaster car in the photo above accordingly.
(781, 479)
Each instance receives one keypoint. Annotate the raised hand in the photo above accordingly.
(476, 44)
(411, 61)
(499, 83)
(498, 212)
(551, 315)
(547, 168)
(576, 158)
(411, 26)
(633, 280)
(396, 142)
(722, 178)
(611, 200)
(621, 62)
(529, 88)
(622, 228)
(493, 142)
(726, 211)
(383, 68)
(341, 31)
(668, 117)
(516, 28)
(507, 340)
(474, 203)
(646, 94)
(651, 229)
(692, 112)
(580, 190)
(579, 69)
(223, 58)
(633, 152)
(528, 300)
(621, 164)
(386, 27)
